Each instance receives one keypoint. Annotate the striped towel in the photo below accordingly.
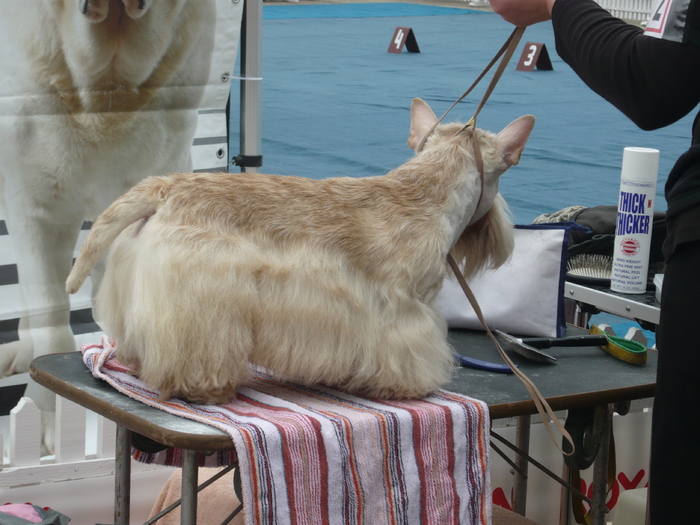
(320, 456)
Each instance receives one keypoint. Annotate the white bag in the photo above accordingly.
(525, 296)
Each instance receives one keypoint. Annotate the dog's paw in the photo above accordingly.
(15, 358)
(220, 396)
(396, 392)
(136, 8)
(133, 364)
(94, 10)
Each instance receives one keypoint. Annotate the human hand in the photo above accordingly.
(523, 13)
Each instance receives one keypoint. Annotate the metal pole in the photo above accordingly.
(600, 472)
(522, 441)
(190, 465)
(200, 488)
(564, 496)
(251, 82)
(122, 476)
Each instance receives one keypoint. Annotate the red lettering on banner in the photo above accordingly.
(627, 484)
(499, 498)
(621, 484)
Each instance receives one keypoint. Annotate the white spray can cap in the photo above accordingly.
(640, 164)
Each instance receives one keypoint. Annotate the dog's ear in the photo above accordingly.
(422, 121)
(511, 140)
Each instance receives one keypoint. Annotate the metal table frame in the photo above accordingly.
(583, 377)
(644, 308)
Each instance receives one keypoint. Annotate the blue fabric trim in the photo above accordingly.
(568, 227)
(369, 10)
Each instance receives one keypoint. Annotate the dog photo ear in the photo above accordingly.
(422, 121)
(94, 11)
(136, 8)
(510, 142)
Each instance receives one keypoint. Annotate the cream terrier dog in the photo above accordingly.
(320, 281)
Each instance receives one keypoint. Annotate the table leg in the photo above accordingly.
(564, 496)
(600, 472)
(190, 465)
(522, 441)
(122, 476)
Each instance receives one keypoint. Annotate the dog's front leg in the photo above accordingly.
(44, 235)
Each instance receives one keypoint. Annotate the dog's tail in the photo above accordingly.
(141, 202)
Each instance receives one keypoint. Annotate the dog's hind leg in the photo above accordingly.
(190, 330)
(413, 358)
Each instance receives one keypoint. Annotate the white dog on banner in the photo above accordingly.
(106, 93)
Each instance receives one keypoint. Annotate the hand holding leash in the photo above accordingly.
(523, 13)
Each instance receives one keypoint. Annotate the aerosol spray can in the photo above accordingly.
(635, 217)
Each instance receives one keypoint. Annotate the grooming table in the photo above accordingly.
(582, 377)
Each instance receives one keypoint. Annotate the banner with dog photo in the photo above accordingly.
(95, 95)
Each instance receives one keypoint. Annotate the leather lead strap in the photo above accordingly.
(543, 408)
(479, 160)
(508, 48)
(507, 51)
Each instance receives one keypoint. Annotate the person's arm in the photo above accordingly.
(523, 13)
(653, 82)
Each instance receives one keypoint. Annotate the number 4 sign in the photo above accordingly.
(534, 55)
(403, 35)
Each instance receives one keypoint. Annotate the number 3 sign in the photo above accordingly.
(403, 35)
(534, 55)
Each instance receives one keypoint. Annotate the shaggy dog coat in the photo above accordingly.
(320, 281)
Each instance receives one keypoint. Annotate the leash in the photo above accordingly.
(543, 408)
(506, 52)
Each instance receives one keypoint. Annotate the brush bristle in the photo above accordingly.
(596, 266)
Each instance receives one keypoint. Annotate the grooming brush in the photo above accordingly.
(589, 268)
(620, 348)
(626, 350)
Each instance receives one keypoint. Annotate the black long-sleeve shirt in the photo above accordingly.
(654, 82)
